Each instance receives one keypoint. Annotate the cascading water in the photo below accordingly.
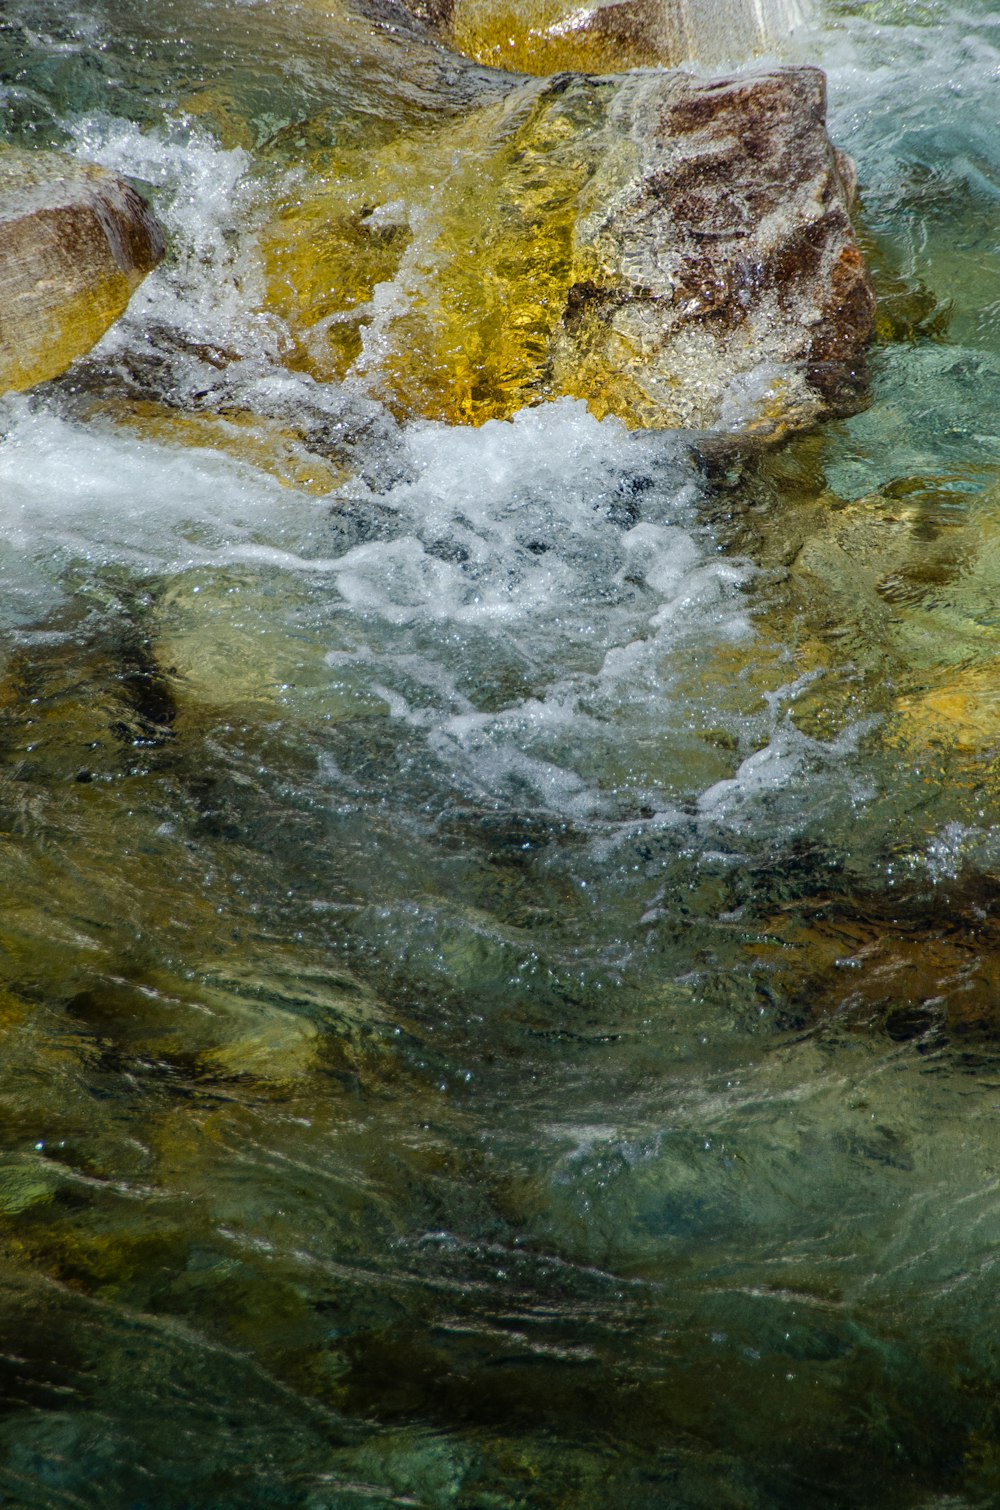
(498, 959)
(708, 33)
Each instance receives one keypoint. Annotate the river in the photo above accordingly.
(499, 974)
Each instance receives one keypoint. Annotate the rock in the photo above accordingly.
(728, 290)
(25, 1182)
(265, 444)
(225, 645)
(545, 36)
(75, 242)
(678, 252)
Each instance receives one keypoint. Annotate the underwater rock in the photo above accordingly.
(546, 36)
(223, 647)
(75, 242)
(677, 252)
(903, 581)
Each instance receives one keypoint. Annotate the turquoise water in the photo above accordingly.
(498, 964)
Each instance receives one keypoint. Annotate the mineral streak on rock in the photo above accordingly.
(75, 242)
(723, 285)
(678, 252)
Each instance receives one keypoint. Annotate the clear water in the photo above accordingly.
(498, 963)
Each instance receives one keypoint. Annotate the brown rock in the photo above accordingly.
(75, 241)
(675, 251)
(727, 288)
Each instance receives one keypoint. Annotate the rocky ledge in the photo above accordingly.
(75, 242)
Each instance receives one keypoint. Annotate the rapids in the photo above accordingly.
(499, 956)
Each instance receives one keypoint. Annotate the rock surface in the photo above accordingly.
(544, 36)
(75, 242)
(727, 288)
(676, 251)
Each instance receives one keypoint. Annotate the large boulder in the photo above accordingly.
(676, 251)
(722, 286)
(546, 36)
(75, 242)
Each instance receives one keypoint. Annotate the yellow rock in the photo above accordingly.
(75, 242)
(224, 644)
(440, 274)
(273, 1046)
(962, 712)
(570, 240)
(547, 36)
(901, 585)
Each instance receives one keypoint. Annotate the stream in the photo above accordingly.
(500, 944)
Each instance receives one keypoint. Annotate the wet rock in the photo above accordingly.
(961, 712)
(544, 36)
(223, 645)
(75, 242)
(898, 964)
(728, 290)
(417, 1463)
(24, 1182)
(902, 582)
(678, 252)
(252, 439)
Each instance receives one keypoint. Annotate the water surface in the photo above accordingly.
(498, 965)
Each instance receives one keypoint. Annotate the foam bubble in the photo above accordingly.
(210, 290)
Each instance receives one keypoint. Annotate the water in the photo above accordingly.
(498, 967)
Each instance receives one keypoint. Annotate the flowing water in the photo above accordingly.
(499, 974)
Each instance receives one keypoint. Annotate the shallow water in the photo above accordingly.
(498, 971)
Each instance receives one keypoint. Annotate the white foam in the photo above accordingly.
(517, 547)
(210, 288)
(900, 89)
(89, 493)
(716, 31)
(508, 557)
(948, 850)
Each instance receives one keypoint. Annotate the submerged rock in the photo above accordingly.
(75, 242)
(252, 439)
(676, 251)
(225, 645)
